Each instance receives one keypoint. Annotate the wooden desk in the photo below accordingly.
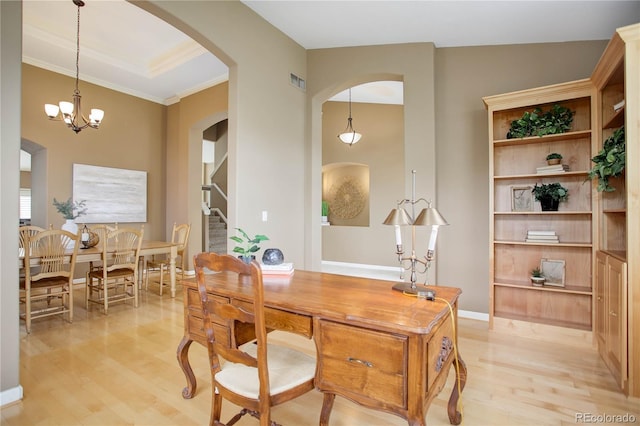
(375, 346)
(147, 248)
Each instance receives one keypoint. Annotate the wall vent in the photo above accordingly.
(298, 82)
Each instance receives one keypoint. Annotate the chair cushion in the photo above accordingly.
(288, 368)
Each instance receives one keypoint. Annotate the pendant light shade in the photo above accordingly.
(349, 135)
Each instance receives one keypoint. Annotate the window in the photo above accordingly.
(25, 203)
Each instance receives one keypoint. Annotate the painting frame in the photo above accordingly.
(521, 198)
(553, 271)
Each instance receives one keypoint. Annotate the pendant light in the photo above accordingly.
(349, 136)
(71, 112)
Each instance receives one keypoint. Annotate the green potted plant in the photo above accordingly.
(325, 211)
(554, 158)
(247, 245)
(550, 195)
(537, 279)
(70, 210)
(610, 161)
(538, 123)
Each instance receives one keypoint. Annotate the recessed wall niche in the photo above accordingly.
(345, 186)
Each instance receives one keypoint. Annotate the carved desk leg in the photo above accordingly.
(182, 354)
(455, 417)
(327, 405)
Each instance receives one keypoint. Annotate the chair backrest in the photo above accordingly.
(121, 249)
(180, 235)
(27, 231)
(102, 231)
(251, 275)
(56, 256)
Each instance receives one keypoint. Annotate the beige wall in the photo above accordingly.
(463, 77)
(333, 70)
(266, 118)
(10, 80)
(272, 124)
(186, 122)
(382, 150)
(132, 136)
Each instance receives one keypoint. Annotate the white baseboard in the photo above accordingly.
(480, 316)
(360, 266)
(10, 396)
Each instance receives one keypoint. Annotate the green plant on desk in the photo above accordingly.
(248, 245)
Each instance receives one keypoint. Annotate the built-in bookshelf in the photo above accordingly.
(516, 166)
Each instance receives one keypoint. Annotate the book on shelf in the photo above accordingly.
(556, 168)
(619, 105)
(533, 232)
(541, 237)
(281, 269)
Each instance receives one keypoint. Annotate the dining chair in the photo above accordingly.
(115, 280)
(24, 232)
(256, 375)
(180, 236)
(54, 252)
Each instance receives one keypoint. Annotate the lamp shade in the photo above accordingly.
(429, 217)
(398, 216)
(350, 137)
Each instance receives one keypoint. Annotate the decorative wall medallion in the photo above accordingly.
(347, 198)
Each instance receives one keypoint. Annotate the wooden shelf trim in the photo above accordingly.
(546, 213)
(529, 286)
(615, 211)
(546, 175)
(616, 121)
(561, 244)
(546, 138)
(542, 320)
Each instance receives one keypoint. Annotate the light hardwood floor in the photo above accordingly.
(121, 369)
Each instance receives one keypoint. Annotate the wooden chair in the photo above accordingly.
(25, 232)
(256, 375)
(56, 260)
(115, 280)
(180, 236)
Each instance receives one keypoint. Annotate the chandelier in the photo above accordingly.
(71, 111)
(349, 135)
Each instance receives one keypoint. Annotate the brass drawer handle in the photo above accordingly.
(359, 361)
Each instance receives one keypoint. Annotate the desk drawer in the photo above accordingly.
(282, 320)
(193, 299)
(195, 328)
(367, 366)
(439, 351)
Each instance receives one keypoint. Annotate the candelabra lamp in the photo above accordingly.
(428, 216)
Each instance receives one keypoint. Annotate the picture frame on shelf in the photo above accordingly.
(521, 198)
(553, 272)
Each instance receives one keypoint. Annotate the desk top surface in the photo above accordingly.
(356, 300)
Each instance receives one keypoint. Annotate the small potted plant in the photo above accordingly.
(537, 279)
(70, 211)
(248, 246)
(550, 195)
(325, 211)
(554, 158)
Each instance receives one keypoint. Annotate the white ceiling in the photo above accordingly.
(129, 50)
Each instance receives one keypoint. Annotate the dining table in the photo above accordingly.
(147, 248)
